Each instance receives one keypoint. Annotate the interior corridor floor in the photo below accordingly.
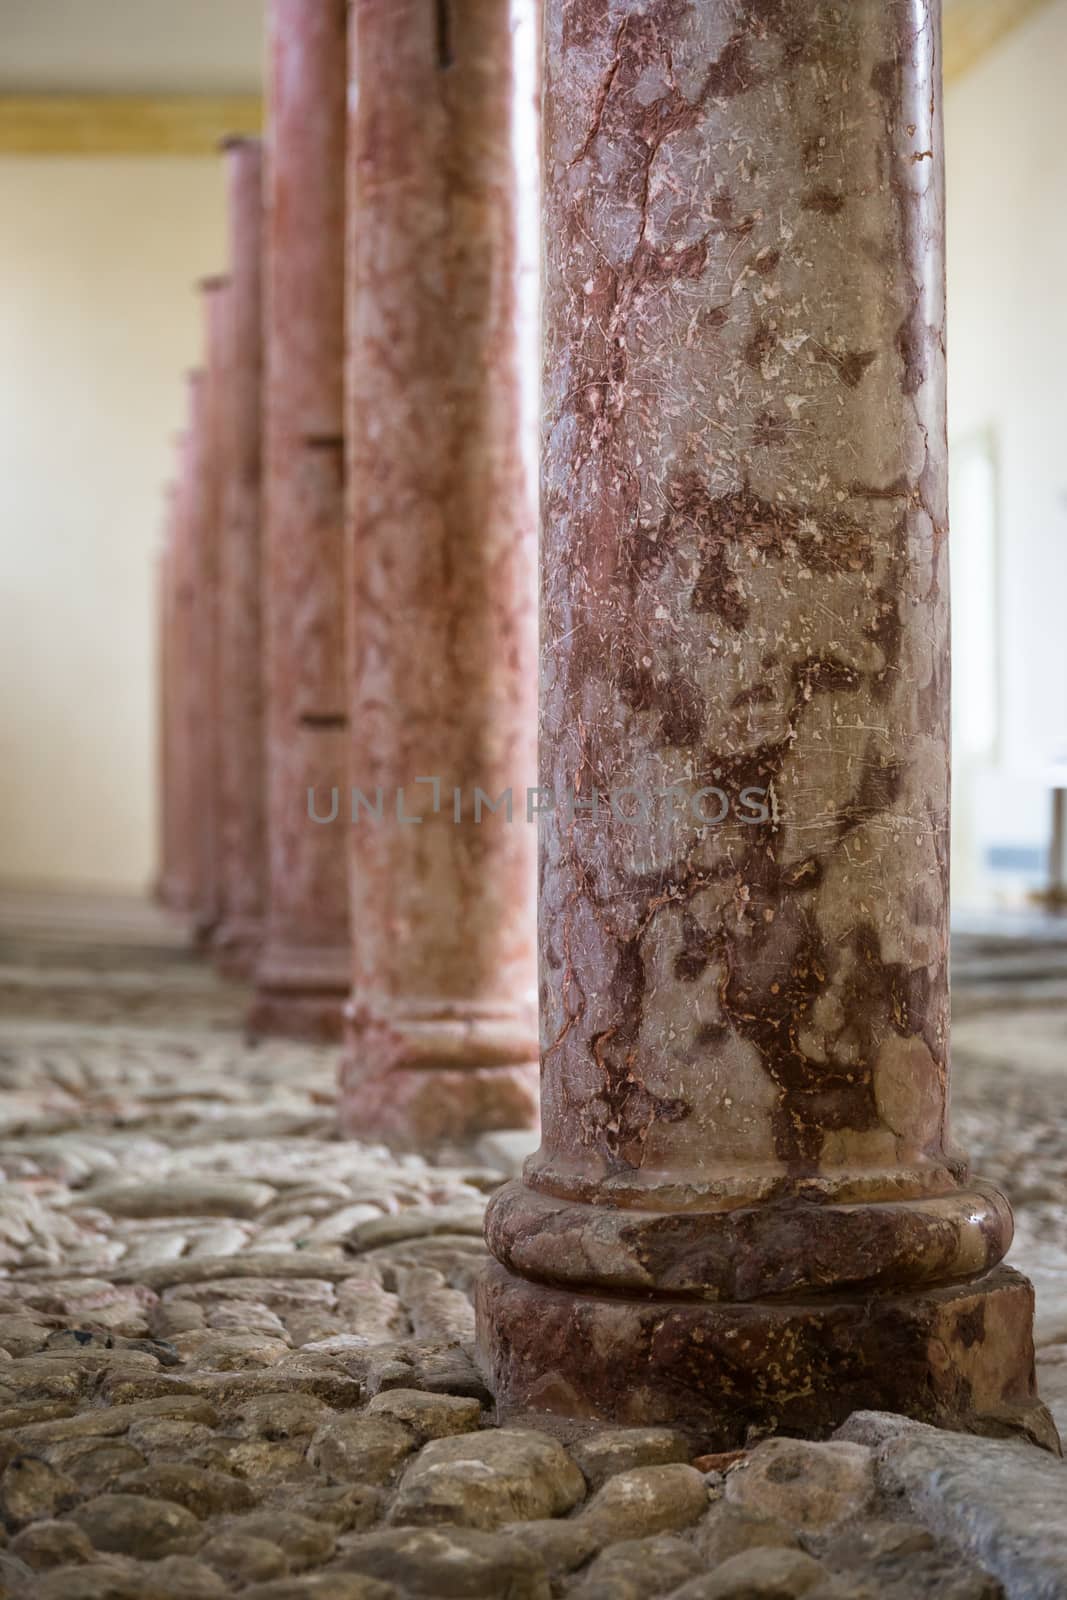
(236, 1352)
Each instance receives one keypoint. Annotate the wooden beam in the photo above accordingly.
(123, 125)
(973, 27)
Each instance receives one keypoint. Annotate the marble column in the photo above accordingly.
(746, 1208)
(302, 977)
(441, 1036)
(207, 389)
(183, 893)
(173, 667)
(242, 846)
(165, 888)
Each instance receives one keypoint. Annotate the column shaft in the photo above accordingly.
(242, 842)
(166, 886)
(301, 979)
(441, 591)
(185, 665)
(204, 510)
(744, 950)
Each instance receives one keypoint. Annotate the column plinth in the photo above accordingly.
(747, 1209)
(303, 970)
(950, 1355)
(441, 1039)
(442, 1074)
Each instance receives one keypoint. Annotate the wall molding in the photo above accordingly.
(193, 125)
(973, 27)
(123, 125)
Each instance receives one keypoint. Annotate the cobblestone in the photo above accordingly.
(236, 1352)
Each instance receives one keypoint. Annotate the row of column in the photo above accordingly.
(746, 1208)
(382, 642)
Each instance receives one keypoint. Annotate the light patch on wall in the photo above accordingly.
(972, 28)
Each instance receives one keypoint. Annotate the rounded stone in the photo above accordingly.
(306, 1542)
(646, 1501)
(450, 1564)
(610, 1450)
(183, 1578)
(30, 1488)
(95, 1464)
(48, 1544)
(482, 1480)
(98, 1581)
(431, 1416)
(200, 1491)
(365, 1448)
(758, 1575)
(727, 1531)
(323, 1586)
(243, 1558)
(807, 1485)
(640, 1569)
(134, 1525)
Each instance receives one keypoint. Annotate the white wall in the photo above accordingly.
(98, 322)
(131, 46)
(1006, 144)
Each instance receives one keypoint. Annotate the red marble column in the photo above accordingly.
(182, 667)
(174, 606)
(204, 560)
(441, 1040)
(242, 845)
(746, 1208)
(166, 891)
(302, 977)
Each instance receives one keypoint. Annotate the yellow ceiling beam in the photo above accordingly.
(123, 125)
(973, 27)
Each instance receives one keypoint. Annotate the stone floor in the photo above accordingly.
(235, 1351)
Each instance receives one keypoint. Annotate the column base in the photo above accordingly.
(960, 1356)
(173, 894)
(423, 1079)
(236, 946)
(289, 1014)
(301, 992)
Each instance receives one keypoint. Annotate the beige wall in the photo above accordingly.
(131, 46)
(1006, 145)
(97, 325)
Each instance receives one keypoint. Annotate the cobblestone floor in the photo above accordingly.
(235, 1351)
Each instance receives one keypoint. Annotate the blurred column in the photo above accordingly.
(242, 846)
(166, 887)
(182, 668)
(746, 1209)
(205, 493)
(441, 1036)
(301, 979)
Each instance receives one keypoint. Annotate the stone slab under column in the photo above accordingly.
(959, 1356)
